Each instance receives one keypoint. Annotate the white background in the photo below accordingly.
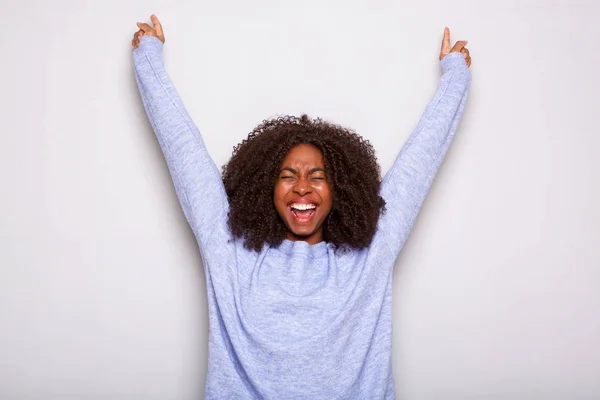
(497, 290)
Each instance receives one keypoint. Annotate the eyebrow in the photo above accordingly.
(311, 171)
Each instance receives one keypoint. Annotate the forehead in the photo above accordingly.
(303, 154)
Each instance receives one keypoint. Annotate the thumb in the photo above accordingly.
(458, 46)
(145, 27)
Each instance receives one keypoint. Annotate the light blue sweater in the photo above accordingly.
(298, 321)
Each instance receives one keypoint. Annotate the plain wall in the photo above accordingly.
(496, 292)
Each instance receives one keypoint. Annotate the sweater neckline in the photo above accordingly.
(291, 248)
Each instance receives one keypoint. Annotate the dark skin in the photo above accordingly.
(301, 185)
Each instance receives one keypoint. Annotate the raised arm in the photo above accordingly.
(406, 185)
(196, 178)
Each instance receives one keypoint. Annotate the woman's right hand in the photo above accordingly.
(147, 30)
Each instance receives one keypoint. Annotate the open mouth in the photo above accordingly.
(303, 212)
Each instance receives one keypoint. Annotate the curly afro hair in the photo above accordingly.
(350, 165)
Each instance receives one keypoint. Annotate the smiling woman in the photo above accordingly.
(290, 315)
(302, 194)
(298, 160)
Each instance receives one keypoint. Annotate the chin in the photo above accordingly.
(301, 233)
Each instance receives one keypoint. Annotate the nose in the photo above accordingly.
(302, 186)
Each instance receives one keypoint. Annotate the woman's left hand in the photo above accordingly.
(458, 47)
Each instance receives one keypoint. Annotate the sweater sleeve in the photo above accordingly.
(196, 178)
(407, 183)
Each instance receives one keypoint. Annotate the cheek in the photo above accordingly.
(279, 192)
(327, 196)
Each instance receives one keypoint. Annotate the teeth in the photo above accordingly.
(303, 206)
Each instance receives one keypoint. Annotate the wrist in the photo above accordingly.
(151, 42)
(453, 60)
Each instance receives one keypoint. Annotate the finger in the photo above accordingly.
(446, 40)
(467, 58)
(465, 52)
(145, 27)
(157, 24)
(458, 46)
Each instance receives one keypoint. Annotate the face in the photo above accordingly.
(302, 194)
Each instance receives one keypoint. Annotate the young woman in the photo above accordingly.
(299, 237)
